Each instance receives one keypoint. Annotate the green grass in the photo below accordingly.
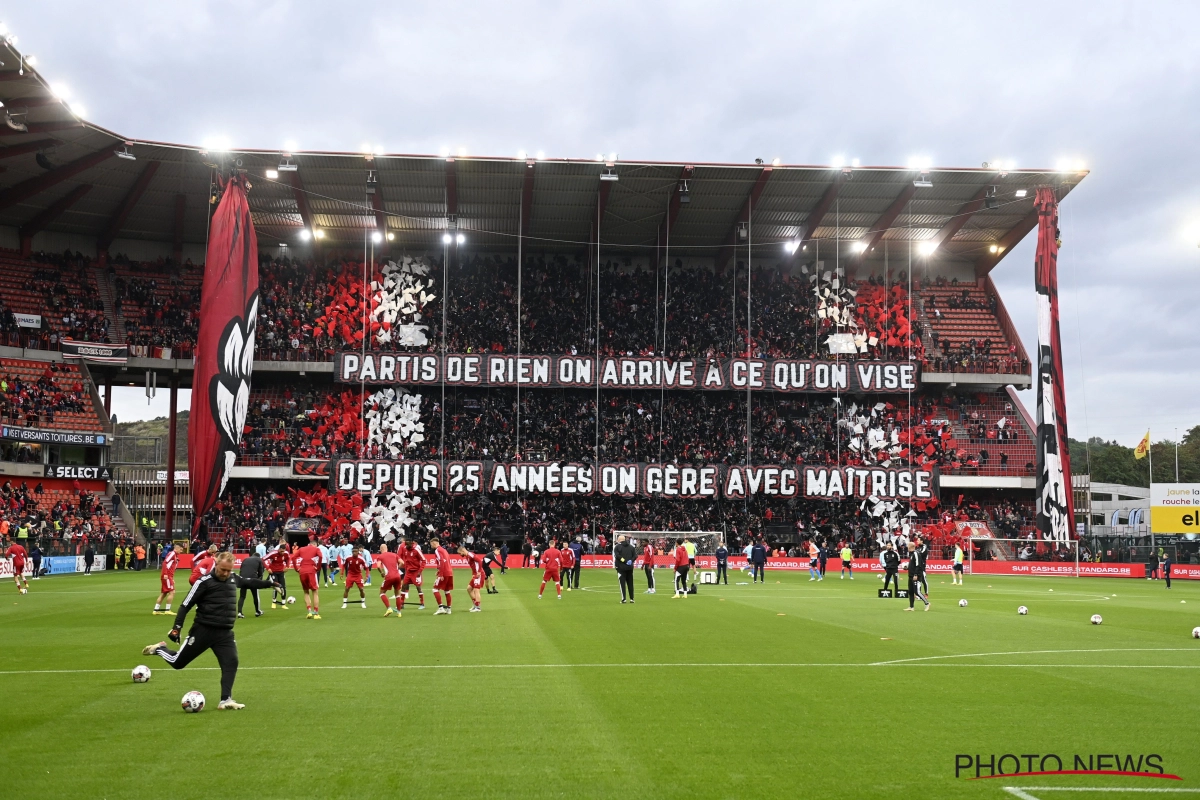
(788, 689)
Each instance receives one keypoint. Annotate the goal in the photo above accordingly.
(1044, 558)
(664, 541)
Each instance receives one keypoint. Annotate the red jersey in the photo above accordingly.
(444, 570)
(388, 564)
(568, 557)
(648, 555)
(202, 567)
(170, 561)
(681, 556)
(308, 559)
(16, 552)
(551, 558)
(354, 567)
(475, 562)
(414, 559)
(278, 560)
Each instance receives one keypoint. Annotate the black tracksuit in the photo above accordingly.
(216, 611)
(916, 579)
(624, 557)
(252, 568)
(722, 564)
(891, 566)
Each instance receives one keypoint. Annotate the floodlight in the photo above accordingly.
(447, 238)
(612, 156)
(609, 174)
(860, 247)
(541, 154)
(994, 248)
(76, 109)
(462, 152)
(922, 163)
(685, 196)
(444, 151)
(376, 237)
(520, 155)
(927, 247)
(391, 236)
(460, 239)
(989, 198)
(838, 162)
(305, 234)
(1022, 192)
(854, 163)
(272, 174)
(290, 146)
(791, 247)
(775, 162)
(318, 233)
(923, 182)
(125, 153)
(60, 91)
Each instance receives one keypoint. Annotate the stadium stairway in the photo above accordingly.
(107, 295)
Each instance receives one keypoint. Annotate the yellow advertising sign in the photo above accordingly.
(1175, 507)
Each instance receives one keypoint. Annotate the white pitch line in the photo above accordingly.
(1015, 792)
(1019, 793)
(1037, 652)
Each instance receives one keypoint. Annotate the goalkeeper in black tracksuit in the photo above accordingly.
(215, 599)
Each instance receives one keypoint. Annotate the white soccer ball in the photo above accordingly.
(291, 599)
(24, 590)
(1196, 633)
(1097, 619)
(141, 673)
(193, 702)
(962, 603)
(1022, 610)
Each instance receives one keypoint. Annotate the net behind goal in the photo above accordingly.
(664, 541)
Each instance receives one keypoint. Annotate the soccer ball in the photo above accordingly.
(1196, 633)
(1097, 619)
(141, 673)
(1022, 610)
(962, 603)
(193, 702)
(291, 599)
(24, 590)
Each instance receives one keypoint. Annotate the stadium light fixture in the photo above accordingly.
(318, 233)
(75, 108)
(272, 174)
(989, 198)
(521, 155)
(860, 247)
(609, 174)
(600, 157)
(125, 153)
(30, 60)
(994, 249)
(1022, 192)
(921, 163)
(685, 195)
(305, 234)
(376, 237)
(391, 236)
(379, 150)
(462, 152)
(791, 246)
(541, 155)
(60, 91)
(837, 162)
(775, 162)
(444, 151)
(854, 162)
(923, 181)
(447, 238)
(927, 247)
(290, 146)
(612, 157)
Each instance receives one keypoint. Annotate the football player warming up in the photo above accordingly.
(414, 568)
(307, 561)
(166, 577)
(475, 562)
(388, 565)
(353, 567)
(17, 553)
(444, 582)
(203, 565)
(551, 565)
(278, 560)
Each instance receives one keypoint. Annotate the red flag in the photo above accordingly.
(224, 348)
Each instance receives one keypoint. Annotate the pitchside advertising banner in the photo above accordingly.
(51, 437)
(1175, 507)
(54, 565)
(629, 480)
(560, 372)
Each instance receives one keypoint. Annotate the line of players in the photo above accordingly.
(400, 571)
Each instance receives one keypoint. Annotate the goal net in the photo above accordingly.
(664, 541)
(1029, 551)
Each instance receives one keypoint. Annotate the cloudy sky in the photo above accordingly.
(1114, 84)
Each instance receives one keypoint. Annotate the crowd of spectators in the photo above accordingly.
(65, 525)
(31, 403)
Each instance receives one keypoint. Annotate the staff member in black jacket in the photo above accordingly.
(252, 568)
(624, 557)
(723, 563)
(916, 578)
(891, 567)
(213, 597)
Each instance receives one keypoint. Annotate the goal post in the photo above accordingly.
(664, 541)
(1024, 551)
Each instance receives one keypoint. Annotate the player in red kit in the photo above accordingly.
(17, 553)
(166, 578)
(444, 582)
(203, 565)
(648, 566)
(353, 567)
(568, 562)
(278, 560)
(475, 562)
(551, 566)
(414, 566)
(307, 561)
(388, 565)
(682, 564)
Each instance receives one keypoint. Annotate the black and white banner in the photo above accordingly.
(690, 482)
(91, 351)
(28, 320)
(72, 472)
(559, 372)
(43, 436)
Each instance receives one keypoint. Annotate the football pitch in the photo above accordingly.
(783, 689)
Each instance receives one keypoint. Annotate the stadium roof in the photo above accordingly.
(63, 174)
